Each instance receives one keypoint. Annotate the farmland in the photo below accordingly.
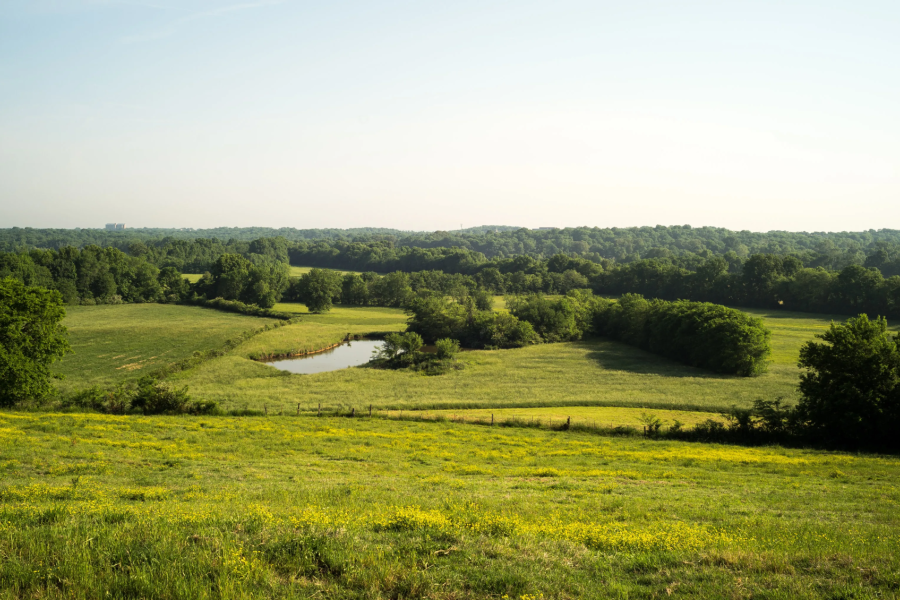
(301, 507)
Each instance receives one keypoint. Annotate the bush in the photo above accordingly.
(148, 396)
(699, 334)
(446, 348)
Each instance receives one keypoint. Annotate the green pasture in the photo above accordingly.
(97, 506)
(112, 343)
(588, 373)
(192, 277)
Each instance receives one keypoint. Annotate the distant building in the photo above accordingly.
(115, 226)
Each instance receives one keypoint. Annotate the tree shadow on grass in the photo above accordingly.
(616, 356)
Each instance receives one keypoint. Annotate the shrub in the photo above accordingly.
(148, 396)
(446, 348)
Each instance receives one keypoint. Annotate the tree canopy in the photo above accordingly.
(851, 387)
(31, 339)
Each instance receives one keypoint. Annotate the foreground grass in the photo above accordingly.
(98, 506)
(114, 343)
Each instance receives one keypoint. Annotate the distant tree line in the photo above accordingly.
(686, 244)
(766, 281)
(94, 275)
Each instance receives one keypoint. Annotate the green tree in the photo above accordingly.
(31, 339)
(354, 290)
(851, 388)
(318, 288)
(230, 275)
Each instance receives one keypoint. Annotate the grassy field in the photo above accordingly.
(587, 373)
(96, 506)
(114, 343)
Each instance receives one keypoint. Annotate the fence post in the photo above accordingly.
(265, 410)
(492, 418)
(568, 422)
(298, 408)
(370, 410)
(319, 414)
(353, 412)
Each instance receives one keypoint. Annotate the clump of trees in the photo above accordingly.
(32, 337)
(703, 335)
(435, 316)
(404, 351)
(699, 334)
(233, 277)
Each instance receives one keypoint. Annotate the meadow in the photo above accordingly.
(95, 506)
(113, 343)
(592, 372)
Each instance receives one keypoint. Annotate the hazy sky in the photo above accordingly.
(427, 115)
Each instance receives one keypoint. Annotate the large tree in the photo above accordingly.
(851, 389)
(318, 289)
(31, 339)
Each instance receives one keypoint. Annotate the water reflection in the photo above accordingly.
(349, 354)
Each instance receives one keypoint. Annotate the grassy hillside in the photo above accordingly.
(92, 505)
(114, 343)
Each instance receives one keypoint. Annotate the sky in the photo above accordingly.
(425, 115)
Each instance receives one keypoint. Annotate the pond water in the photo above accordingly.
(349, 354)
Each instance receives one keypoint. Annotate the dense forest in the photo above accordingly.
(842, 273)
(383, 249)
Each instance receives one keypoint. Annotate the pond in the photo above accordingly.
(349, 354)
